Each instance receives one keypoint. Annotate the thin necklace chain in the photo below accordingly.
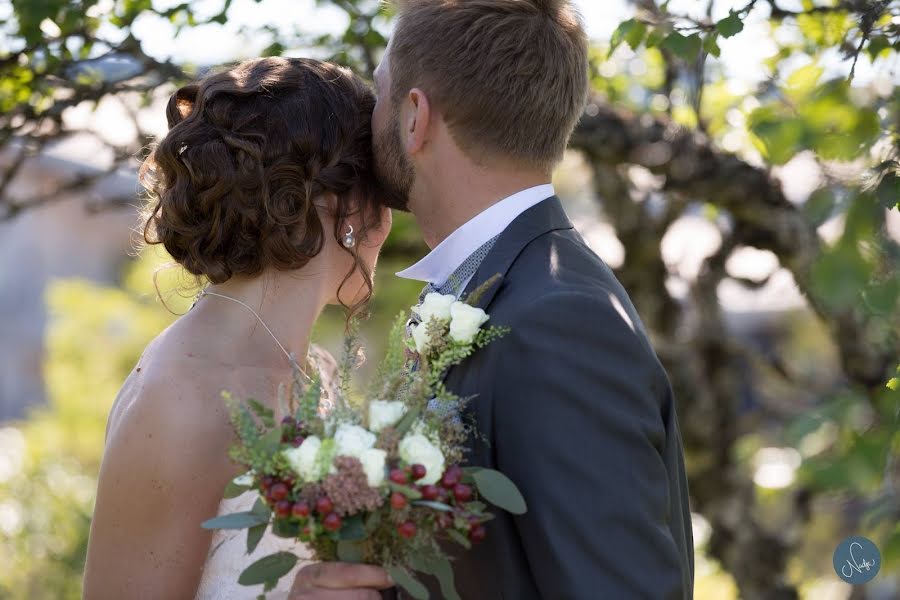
(290, 356)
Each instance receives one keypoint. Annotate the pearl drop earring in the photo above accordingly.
(349, 241)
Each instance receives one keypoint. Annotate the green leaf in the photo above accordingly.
(803, 81)
(711, 45)
(500, 491)
(412, 586)
(435, 505)
(265, 414)
(233, 490)
(407, 491)
(270, 568)
(349, 551)
(730, 25)
(819, 207)
(406, 422)
(440, 568)
(261, 508)
(239, 520)
(254, 534)
(285, 528)
(877, 45)
(655, 37)
(459, 538)
(631, 31)
(270, 442)
(353, 529)
(687, 47)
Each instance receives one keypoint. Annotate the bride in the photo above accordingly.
(265, 187)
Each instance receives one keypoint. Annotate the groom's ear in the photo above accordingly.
(417, 122)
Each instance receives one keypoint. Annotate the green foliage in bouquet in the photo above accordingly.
(376, 480)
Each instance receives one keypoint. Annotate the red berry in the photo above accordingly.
(283, 508)
(418, 472)
(430, 492)
(306, 533)
(289, 421)
(398, 501)
(324, 505)
(398, 476)
(300, 509)
(268, 496)
(477, 533)
(267, 482)
(332, 522)
(298, 441)
(279, 491)
(407, 529)
(451, 477)
(462, 492)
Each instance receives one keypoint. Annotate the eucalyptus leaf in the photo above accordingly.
(254, 535)
(440, 568)
(239, 520)
(261, 508)
(272, 567)
(233, 490)
(432, 504)
(500, 491)
(353, 529)
(411, 585)
(349, 551)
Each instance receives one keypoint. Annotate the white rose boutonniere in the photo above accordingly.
(435, 306)
(465, 322)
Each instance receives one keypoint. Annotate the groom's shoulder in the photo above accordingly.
(561, 263)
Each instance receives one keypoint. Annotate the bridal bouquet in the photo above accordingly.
(375, 480)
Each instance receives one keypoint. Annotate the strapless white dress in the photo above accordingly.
(228, 556)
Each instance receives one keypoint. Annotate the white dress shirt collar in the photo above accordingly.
(446, 257)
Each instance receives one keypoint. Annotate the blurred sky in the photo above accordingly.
(742, 55)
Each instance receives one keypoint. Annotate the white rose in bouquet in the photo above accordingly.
(415, 448)
(465, 322)
(352, 440)
(303, 459)
(373, 461)
(385, 414)
(435, 306)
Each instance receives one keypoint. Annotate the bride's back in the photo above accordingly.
(264, 176)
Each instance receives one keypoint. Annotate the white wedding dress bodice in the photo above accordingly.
(228, 557)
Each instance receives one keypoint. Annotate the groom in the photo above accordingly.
(476, 102)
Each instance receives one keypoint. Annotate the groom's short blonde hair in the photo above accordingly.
(510, 77)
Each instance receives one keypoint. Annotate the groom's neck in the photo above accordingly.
(446, 198)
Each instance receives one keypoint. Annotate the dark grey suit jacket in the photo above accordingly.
(577, 410)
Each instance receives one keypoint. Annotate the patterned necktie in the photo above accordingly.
(454, 285)
(460, 277)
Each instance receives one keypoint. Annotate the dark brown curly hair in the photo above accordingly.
(248, 149)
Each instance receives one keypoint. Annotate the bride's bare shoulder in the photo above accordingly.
(169, 383)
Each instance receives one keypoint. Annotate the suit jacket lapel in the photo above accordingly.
(541, 218)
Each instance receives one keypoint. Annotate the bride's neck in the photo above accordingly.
(288, 303)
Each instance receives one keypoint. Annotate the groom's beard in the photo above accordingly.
(392, 167)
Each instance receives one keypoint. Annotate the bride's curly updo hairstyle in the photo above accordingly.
(248, 149)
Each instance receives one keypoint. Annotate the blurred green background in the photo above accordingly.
(737, 166)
